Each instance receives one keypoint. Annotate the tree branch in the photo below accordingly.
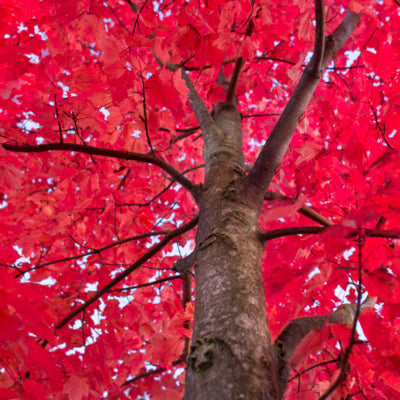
(260, 176)
(158, 281)
(230, 94)
(154, 250)
(306, 211)
(96, 251)
(319, 46)
(204, 118)
(310, 230)
(300, 230)
(352, 341)
(180, 360)
(119, 154)
(378, 125)
(186, 263)
(299, 328)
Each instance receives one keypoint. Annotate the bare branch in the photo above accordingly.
(311, 368)
(306, 211)
(352, 341)
(157, 282)
(145, 121)
(120, 154)
(180, 360)
(310, 230)
(154, 250)
(319, 46)
(273, 151)
(58, 118)
(378, 125)
(301, 230)
(99, 250)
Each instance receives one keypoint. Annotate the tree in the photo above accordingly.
(246, 148)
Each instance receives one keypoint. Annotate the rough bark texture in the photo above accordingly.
(231, 355)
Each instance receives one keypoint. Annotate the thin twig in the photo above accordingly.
(352, 341)
(379, 125)
(154, 250)
(170, 278)
(99, 250)
(144, 119)
(298, 374)
(58, 118)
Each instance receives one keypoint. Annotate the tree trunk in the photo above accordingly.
(231, 355)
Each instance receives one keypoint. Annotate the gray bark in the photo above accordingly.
(231, 355)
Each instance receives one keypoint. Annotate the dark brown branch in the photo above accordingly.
(275, 59)
(301, 230)
(158, 281)
(352, 341)
(185, 133)
(99, 250)
(260, 115)
(319, 46)
(154, 250)
(146, 125)
(58, 118)
(379, 125)
(180, 360)
(134, 9)
(120, 154)
(306, 211)
(310, 230)
(298, 374)
(260, 176)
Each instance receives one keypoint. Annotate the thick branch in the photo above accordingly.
(272, 153)
(154, 250)
(120, 154)
(299, 328)
(186, 263)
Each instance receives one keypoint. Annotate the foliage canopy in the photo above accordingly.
(101, 160)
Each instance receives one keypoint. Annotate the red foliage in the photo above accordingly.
(91, 73)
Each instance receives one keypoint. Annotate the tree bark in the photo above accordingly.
(231, 355)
